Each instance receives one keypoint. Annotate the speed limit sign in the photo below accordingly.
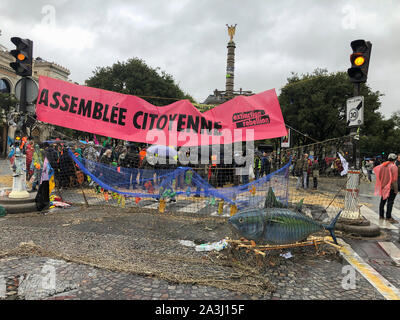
(355, 111)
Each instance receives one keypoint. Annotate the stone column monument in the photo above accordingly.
(230, 67)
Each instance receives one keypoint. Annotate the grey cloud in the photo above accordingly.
(188, 38)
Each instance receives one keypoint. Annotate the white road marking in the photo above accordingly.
(396, 214)
(389, 291)
(392, 250)
(373, 217)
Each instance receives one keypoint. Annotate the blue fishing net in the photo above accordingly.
(183, 183)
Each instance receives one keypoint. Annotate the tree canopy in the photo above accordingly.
(315, 104)
(135, 77)
(7, 101)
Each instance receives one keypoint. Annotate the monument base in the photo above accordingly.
(19, 194)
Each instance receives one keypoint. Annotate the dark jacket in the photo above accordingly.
(265, 165)
(131, 160)
(106, 160)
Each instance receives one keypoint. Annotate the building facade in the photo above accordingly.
(8, 79)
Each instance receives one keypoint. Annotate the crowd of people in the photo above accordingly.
(304, 168)
(133, 159)
(130, 156)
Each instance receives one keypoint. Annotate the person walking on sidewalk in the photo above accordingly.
(387, 175)
(369, 166)
(298, 171)
(315, 173)
(306, 170)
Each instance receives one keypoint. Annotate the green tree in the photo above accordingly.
(135, 77)
(315, 104)
(7, 101)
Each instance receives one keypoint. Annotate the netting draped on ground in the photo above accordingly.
(183, 188)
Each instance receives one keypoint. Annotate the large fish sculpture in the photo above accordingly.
(277, 225)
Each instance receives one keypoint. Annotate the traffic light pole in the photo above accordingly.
(23, 103)
(353, 133)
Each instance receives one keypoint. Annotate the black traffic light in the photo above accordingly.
(23, 56)
(359, 59)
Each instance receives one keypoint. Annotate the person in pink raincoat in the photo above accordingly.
(386, 186)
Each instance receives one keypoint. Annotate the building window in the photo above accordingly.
(5, 86)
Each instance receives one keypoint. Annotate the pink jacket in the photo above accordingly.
(386, 177)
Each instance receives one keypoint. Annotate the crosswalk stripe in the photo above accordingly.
(396, 213)
(384, 287)
(392, 251)
(373, 217)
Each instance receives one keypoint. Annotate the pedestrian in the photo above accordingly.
(90, 156)
(265, 165)
(298, 171)
(387, 175)
(131, 163)
(30, 149)
(369, 166)
(257, 165)
(306, 170)
(67, 169)
(315, 173)
(106, 158)
(142, 156)
(37, 166)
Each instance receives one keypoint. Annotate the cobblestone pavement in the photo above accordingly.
(121, 236)
(31, 278)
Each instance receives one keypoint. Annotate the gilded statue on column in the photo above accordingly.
(231, 31)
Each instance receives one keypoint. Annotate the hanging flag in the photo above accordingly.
(126, 117)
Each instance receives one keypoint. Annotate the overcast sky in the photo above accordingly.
(188, 38)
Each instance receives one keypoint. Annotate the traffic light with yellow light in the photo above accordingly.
(23, 56)
(359, 59)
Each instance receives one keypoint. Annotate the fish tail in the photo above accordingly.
(331, 226)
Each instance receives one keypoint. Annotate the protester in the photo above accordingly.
(68, 176)
(122, 156)
(106, 158)
(131, 162)
(90, 154)
(306, 170)
(30, 149)
(142, 156)
(37, 166)
(257, 165)
(315, 173)
(387, 186)
(298, 169)
(265, 165)
(369, 166)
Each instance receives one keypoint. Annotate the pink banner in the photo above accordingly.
(131, 118)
